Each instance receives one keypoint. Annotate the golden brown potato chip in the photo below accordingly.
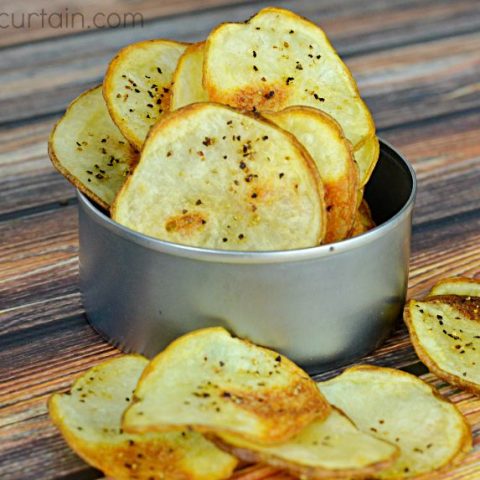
(187, 84)
(360, 193)
(402, 409)
(363, 220)
(212, 382)
(457, 286)
(366, 157)
(213, 177)
(259, 472)
(137, 86)
(323, 138)
(89, 419)
(445, 331)
(278, 59)
(325, 449)
(87, 148)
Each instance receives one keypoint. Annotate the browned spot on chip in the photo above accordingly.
(323, 138)
(259, 97)
(340, 201)
(186, 223)
(281, 404)
(466, 305)
(363, 220)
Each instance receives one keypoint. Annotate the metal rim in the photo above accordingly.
(264, 257)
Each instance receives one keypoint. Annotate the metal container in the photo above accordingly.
(320, 306)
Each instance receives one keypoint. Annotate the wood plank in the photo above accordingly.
(33, 272)
(417, 82)
(61, 70)
(27, 178)
(41, 312)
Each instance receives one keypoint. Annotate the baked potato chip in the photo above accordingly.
(366, 157)
(212, 382)
(463, 286)
(187, 86)
(137, 86)
(360, 193)
(87, 148)
(363, 220)
(89, 419)
(213, 177)
(445, 332)
(402, 409)
(278, 59)
(323, 138)
(327, 448)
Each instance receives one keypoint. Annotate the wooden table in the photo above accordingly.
(417, 63)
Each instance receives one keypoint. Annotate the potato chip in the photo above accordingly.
(278, 59)
(323, 138)
(327, 448)
(213, 177)
(87, 148)
(187, 86)
(363, 220)
(360, 193)
(259, 472)
(445, 331)
(457, 286)
(89, 419)
(212, 382)
(366, 157)
(402, 409)
(137, 86)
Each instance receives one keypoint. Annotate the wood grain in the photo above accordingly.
(417, 65)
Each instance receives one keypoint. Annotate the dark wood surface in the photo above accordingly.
(417, 63)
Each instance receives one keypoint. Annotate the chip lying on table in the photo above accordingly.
(136, 419)
(457, 286)
(328, 448)
(212, 382)
(445, 332)
(402, 409)
(89, 418)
